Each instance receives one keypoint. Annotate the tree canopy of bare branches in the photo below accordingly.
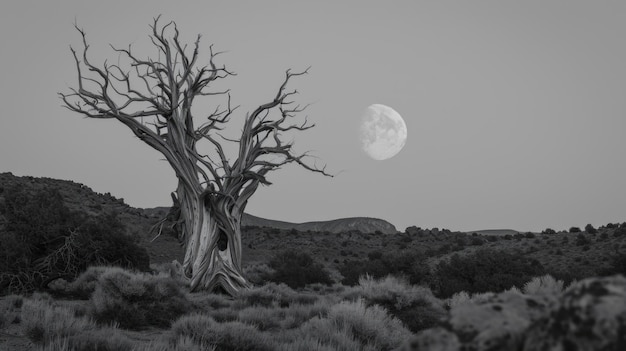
(155, 98)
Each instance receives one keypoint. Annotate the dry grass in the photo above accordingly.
(44, 322)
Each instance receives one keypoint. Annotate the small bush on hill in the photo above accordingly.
(617, 266)
(582, 240)
(590, 229)
(297, 269)
(475, 241)
(482, 271)
(408, 264)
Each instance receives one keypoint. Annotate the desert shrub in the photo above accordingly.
(105, 242)
(263, 318)
(137, 300)
(182, 343)
(415, 306)
(43, 240)
(257, 273)
(475, 241)
(590, 229)
(545, 286)
(106, 339)
(204, 330)
(458, 299)
(307, 343)
(375, 255)
(297, 269)
(10, 310)
(281, 319)
(548, 231)
(617, 265)
(368, 324)
(85, 284)
(272, 295)
(43, 322)
(323, 331)
(574, 230)
(582, 240)
(484, 270)
(529, 235)
(408, 264)
(210, 301)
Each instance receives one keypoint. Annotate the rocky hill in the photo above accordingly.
(362, 224)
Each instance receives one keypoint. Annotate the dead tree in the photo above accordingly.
(154, 98)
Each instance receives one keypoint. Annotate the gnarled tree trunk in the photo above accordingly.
(213, 250)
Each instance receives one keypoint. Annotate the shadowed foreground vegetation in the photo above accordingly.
(124, 307)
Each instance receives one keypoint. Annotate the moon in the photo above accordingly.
(382, 132)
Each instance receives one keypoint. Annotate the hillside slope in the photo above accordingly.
(342, 241)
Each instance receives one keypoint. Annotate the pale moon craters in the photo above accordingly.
(382, 132)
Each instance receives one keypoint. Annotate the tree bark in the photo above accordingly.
(213, 249)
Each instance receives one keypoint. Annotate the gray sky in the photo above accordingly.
(515, 111)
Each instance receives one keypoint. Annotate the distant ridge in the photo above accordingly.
(362, 224)
(494, 232)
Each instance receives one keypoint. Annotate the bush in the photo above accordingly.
(136, 300)
(375, 255)
(10, 310)
(582, 240)
(545, 286)
(44, 241)
(205, 331)
(574, 230)
(85, 284)
(616, 266)
(272, 295)
(107, 339)
(475, 241)
(297, 269)
(370, 325)
(44, 322)
(548, 231)
(482, 271)
(590, 229)
(408, 265)
(415, 306)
